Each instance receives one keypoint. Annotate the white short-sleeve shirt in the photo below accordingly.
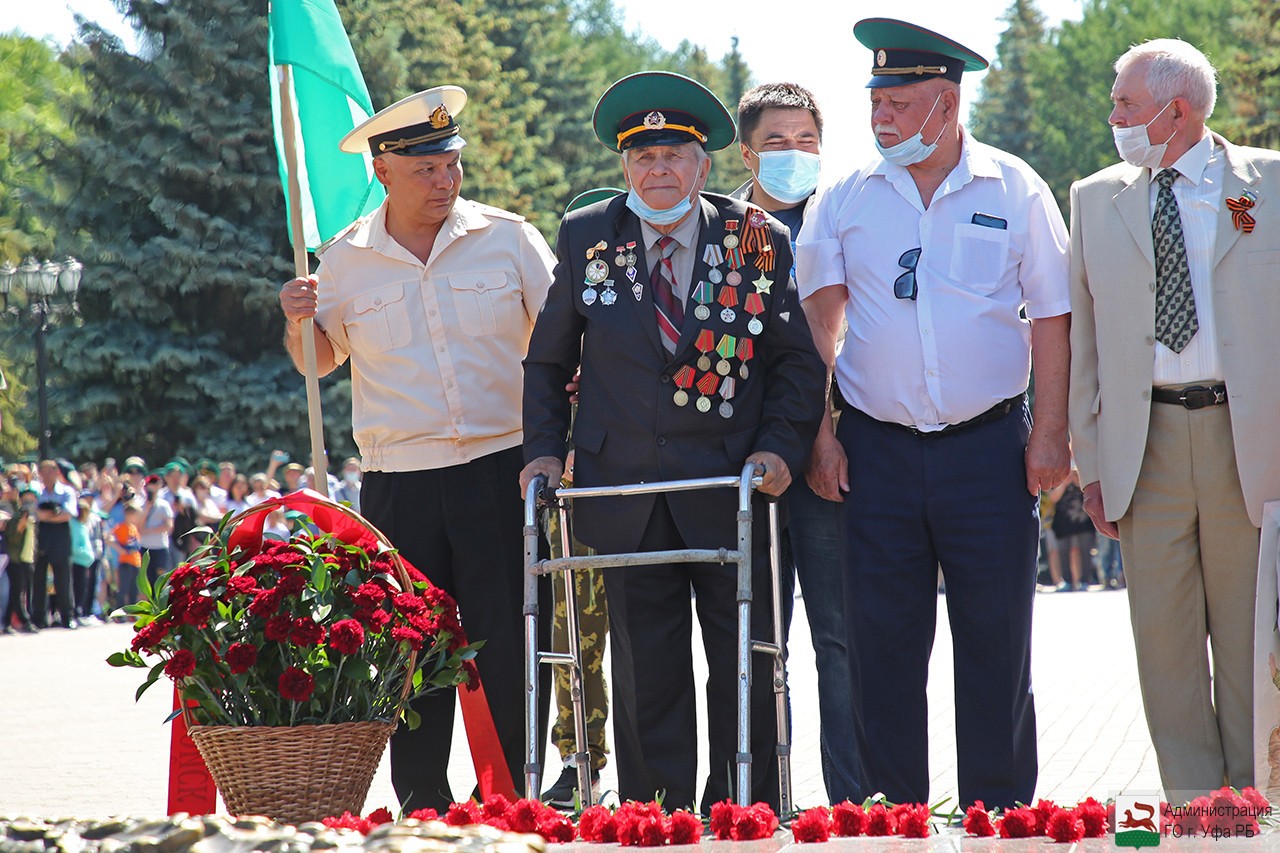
(435, 347)
(963, 344)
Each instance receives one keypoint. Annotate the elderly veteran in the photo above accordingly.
(934, 252)
(695, 359)
(1175, 398)
(432, 297)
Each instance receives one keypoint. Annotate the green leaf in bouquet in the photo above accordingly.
(357, 669)
(412, 718)
(224, 611)
(152, 677)
(126, 659)
(175, 714)
(144, 584)
(319, 574)
(141, 607)
(323, 611)
(353, 578)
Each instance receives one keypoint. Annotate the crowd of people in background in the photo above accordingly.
(76, 538)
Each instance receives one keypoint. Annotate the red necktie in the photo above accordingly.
(669, 309)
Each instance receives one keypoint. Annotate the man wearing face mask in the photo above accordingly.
(948, 259)
(1175, 398)
(780, 130)
(695, 359)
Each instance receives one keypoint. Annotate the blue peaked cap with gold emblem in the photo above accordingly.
(661, 108)
(904, 53)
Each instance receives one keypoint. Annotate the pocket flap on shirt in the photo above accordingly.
(478, 282)
(374, 300)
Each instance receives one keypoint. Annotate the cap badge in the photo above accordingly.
(655, 121)
(881, 57)
(440, 117)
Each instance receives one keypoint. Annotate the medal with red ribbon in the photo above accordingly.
(729, 299)
(754, 305)
(684, 380)
(746, 349)
(706, 387)
(1240, 216)
(705, 342)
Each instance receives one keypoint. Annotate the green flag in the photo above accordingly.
(329, 99)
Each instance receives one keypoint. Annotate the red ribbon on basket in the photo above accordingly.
(191, 788)
(492, 772)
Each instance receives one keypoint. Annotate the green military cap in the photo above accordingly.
(661, 108)
(423, 123)
(905, 53)
(174, 465)
(591, 197)
(134, 465)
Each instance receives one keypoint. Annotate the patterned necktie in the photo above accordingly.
(670, 311)
(1176, 321)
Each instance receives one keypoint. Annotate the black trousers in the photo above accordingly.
(655, 722)
(19, 593)
(53, 552)
(958, 501)
(462, 527)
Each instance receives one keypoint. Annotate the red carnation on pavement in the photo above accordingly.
(554, 826)
(1017, 823)
(1227, 814)
(523, 816)
(652, 830)
(880, 821)
(596, 826)
(913, 820)
(754, 822)
(296, 685)
(496, 805)
(380, 816)
(181, 665)
(1064, 826)
(462, 814)
(685, 828)
(722, 820)
(241, 657)
(812, 826)
(424, 814)
(1044, 810)
(977, 821)
(346, 637)
(1094, 815)
(345, 821)
(848, 819)
(1187, 821)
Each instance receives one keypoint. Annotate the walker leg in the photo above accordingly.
(780, 666)
(744, 653)
(581, 757)
(532, 769)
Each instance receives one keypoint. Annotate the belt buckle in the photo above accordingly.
(1195, 397)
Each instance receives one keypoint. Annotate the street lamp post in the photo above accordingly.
(41, 283)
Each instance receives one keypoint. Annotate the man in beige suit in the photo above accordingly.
(1175, 397)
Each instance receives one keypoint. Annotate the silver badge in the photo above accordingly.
(609, 296)
(702, 312)
(755, 327)
(703, 404)
(726, 409)
(728, 315)
(597, 271)
(715, 276)
(589, 296)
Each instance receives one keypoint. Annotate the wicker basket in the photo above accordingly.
(295, 774)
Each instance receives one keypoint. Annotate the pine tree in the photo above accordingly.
(1250, 77)
(176, 207)
(1004, 114)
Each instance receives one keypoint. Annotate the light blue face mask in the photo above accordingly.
(912, 150)
(790, 176)
(654, 217)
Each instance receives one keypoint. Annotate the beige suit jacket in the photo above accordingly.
(1113, 325)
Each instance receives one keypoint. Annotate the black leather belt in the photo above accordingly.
(1194, 397)
(995, 413)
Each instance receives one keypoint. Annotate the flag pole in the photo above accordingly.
(319, 460)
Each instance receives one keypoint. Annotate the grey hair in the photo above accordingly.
(1175, 69)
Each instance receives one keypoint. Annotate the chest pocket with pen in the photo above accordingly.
(486, 303)
(378, 320)
(979, 255)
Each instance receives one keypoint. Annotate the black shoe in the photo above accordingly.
(30, 629)
(7, 629)
(562, 794)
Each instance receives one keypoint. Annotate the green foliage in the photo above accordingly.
(1250, 72)
(1057, 113)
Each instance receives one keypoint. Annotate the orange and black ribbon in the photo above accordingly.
(756, 238)
(1240, 216)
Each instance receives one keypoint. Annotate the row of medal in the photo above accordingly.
(598, 273)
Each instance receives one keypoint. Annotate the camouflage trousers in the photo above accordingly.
(593, 627)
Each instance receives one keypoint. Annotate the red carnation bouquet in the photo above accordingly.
(322, 628)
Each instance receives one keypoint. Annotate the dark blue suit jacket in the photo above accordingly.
(628, 427)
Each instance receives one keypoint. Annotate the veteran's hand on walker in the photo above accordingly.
(548, 466)
(775, 476)
(828, 471)
(1093, 506)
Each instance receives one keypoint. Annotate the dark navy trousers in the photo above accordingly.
(959, 501)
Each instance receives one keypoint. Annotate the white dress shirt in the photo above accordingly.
(962, 345)
(1198, 191)
(435, 348)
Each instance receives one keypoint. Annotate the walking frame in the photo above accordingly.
(559, 500)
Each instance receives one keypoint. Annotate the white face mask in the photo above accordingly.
(1134, 145)
(913, 149)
